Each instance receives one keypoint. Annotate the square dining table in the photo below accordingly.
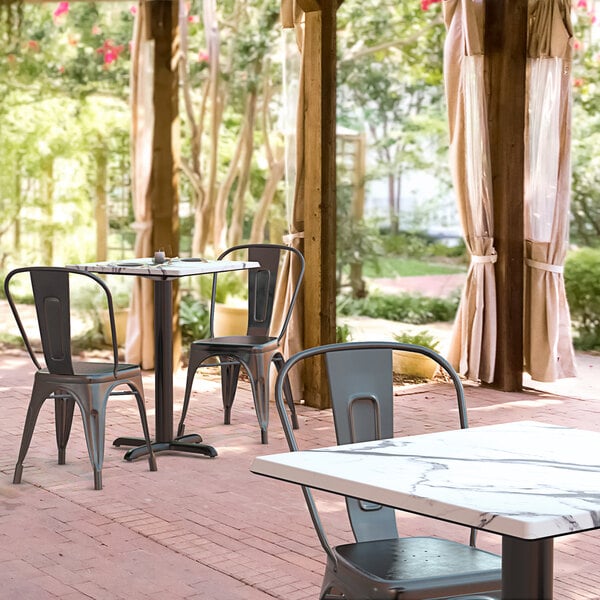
(163, 275)
(527, 481)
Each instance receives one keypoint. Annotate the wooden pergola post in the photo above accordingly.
(163, 18)
(505, 50)
(320, 189)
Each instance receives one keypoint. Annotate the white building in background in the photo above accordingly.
(426, 206)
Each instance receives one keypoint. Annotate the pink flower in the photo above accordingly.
(582, 4)
(33, 46)
(96, 30)
(426, 4)
(203, 56)
(577, 45)
(60, 10)
(194, 19)
(110, 52)
(133, 10)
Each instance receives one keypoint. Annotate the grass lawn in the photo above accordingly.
(408, 267)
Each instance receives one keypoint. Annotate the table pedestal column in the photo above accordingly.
(163, 383)
(527, 569)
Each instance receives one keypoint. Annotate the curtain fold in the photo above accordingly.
(139, 347)
(548, 350)
(472, 349)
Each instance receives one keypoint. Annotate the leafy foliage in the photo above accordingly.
(585, 198)
(406, 308)
(421, 338)
(343, 333)
(194, 318)
(390, 80)
(64, 113)
(582, 284)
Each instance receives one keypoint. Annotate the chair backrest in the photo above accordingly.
(360, 376)
(262, 284)
(52, 297)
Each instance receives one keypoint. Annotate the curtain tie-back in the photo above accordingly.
(141, 225)
(485, 258)
(544, 266)
(290, 237)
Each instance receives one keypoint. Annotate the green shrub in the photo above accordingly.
(406, 308)
(421, 338)
(194, 319)
(343, 333)
(582, 284)
(231, 284)
(422, 246)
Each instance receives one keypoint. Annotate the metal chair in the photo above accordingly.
(260, 346)
(380, 565)
(68, 381)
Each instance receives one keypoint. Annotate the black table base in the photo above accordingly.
(163, 381)
(527, 569)
(186, 443)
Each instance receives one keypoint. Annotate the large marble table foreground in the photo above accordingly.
(528, 480)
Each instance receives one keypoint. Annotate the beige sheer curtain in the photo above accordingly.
(472, 348)
(139, 347)
(292, 16)
(547, 334)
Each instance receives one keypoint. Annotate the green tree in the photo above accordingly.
(230, 92)
(63, 121)
(585, 196)
(390, 82)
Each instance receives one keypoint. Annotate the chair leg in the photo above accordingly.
(93, 412)
(191, 372)
(35, 404)
(230, 372)
(63, 410)
(287, 390)
(259, 378)
(145, 428)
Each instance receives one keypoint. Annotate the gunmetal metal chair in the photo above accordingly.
(68, 381)
(260, 346)
(380, 565)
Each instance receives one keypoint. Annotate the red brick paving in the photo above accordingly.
(208, 529)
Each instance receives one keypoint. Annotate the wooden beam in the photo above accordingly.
(320, 193)
(310, 5)
(164, 185)
(505, 49)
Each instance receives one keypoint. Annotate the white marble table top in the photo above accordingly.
(528, 480)
(179, 267)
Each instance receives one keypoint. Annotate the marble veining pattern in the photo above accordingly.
(529, 480)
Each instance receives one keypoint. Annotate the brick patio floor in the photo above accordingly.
(209, 529)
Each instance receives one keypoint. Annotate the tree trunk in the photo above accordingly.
(236, 229)
(101, 212)
(394, 216)
(262, 210)
(47, 245)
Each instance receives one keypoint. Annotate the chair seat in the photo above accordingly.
(92, 372)
(416, 559)
(260, 342)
